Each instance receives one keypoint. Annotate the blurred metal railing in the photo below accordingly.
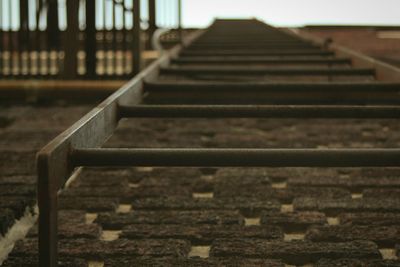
(79, 39)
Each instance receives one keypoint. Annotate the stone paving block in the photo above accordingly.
(354, 183)
(293, 222)
(200, 234)
(17, 162)
(336, 206)
(90, 204)
(242, 176)
(383, 236)
(285, 195)
(103, 177)
(199, 217)
(357, 263)
(26, 138)
(381, 193)
(32, 261)
(18, 190)
(73, 231)
(369, 218)
(6, 220)
(18, 180)
(17, 204)
(126, 193)
(101, 250)
(246, 205)
(294, 252)
(166, 262)
(171, 176)
(5, 121)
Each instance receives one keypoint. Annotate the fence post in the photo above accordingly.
(152, 21)
(72, 40)
(137, 47)
(180, 21)
(90, 38)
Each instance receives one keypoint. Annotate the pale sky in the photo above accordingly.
(200, 13)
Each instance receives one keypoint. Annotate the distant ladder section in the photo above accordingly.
(235, 68)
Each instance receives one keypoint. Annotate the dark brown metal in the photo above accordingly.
(71, 50)
(237, 157)
(137, 45)
(273, 93)
(258, 111)
(266, 70)
(90, 38)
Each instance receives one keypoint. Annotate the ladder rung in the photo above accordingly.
(237, 157)
(249, 60)
(258, 111)
(263, 70)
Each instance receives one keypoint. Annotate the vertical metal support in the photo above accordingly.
(152, 21)
(71, 47)
(180, 21)
(90, 38)
(24, 37)
(137, 47)
(47, 201)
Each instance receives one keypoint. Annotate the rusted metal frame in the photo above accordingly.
(258, 111)
(237, 157)
(384, 71)
(54, 165)
(265, 70)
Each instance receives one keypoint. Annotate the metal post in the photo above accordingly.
(48, 202)
(152, 21)
(136, 52)
(71, 48)
(180, 21)
(90, 38)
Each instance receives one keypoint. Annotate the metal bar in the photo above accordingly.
(258, 53)
(137, 47)
(262, 70)
(217, 60)
(258, 111)
(71, 48)
(273, 93)
(237, 157)
(90, 38)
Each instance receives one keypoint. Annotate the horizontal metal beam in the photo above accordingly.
(257, 111)
(258, 53)
(264, 60)
(237, 157)
(265, 70)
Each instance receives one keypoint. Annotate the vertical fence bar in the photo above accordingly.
(52, 34)
(1, 38)
(152, 21)
(90, 38)
(136, 52)
(71, 46)
(180, 33)
(10, 40)
(24, 36)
